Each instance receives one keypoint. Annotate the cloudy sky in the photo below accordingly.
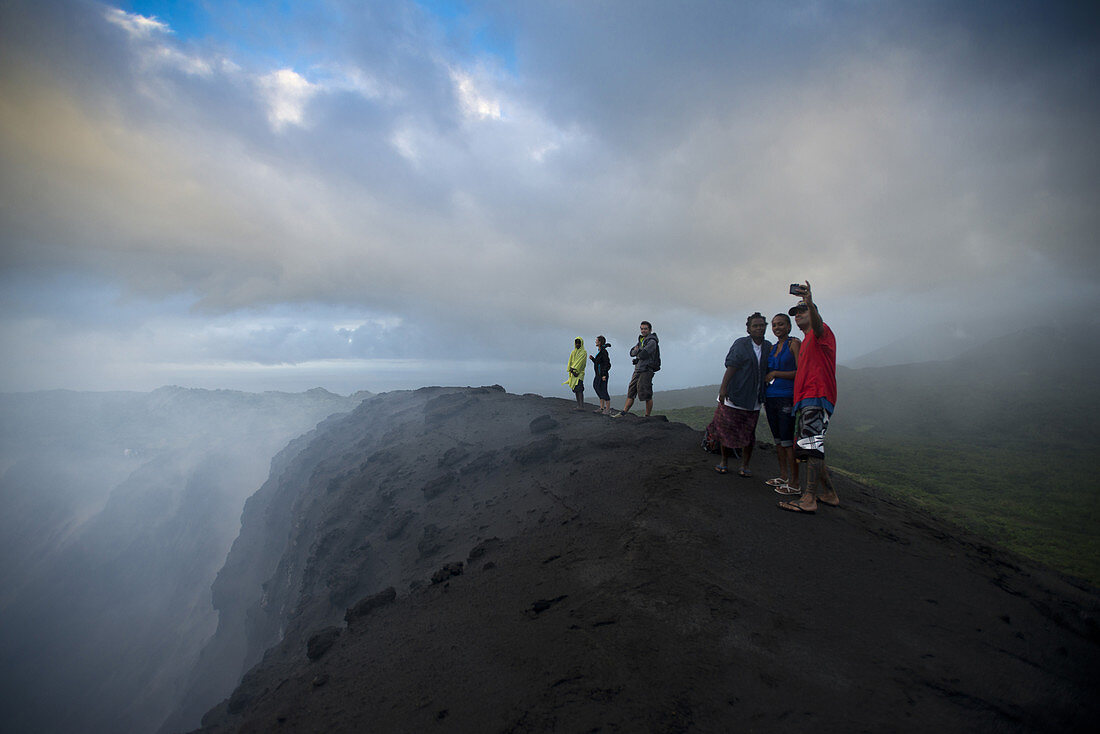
(375, 195)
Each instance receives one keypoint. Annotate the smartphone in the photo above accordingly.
(797, 289)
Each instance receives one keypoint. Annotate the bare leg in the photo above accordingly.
(788, 467)
(808, 500)
(627, 406)
(825, 491)
(746, 454)
(725, 453)
(781, 457)
(648, 407)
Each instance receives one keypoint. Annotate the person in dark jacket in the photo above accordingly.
(647, 360)
(742, 393)
(601, 363)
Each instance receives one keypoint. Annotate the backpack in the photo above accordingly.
(710, 439)
(657, 358)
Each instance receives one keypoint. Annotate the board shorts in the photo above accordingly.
(813, 422)
(641, 386)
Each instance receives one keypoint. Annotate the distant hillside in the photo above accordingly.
(1029, 386)
(931, 344)
(945, 342)
(685, 398)
(117, 511)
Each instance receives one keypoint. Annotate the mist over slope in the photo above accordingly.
(931, 344)
(117, 511)
(1029, 385)
(468, 560)
(1045, 368)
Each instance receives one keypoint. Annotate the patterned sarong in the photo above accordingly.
(735, 427)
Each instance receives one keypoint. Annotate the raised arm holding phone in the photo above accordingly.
(814, 400)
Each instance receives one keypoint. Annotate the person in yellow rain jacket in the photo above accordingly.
(578, 358)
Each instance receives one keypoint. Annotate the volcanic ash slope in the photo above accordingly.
(472, 561)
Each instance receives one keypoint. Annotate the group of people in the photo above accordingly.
(646, 355)
(793, 380)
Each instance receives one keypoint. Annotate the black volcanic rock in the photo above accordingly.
(634, 589)
(395, 528)
(447, 571)
(365, 606)
(542, 423)
(320, 643)
(539, 450)
(541, 605)
(439, 485)
(479, 550)
(431, 541)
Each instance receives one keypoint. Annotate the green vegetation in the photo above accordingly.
(1033, 492)
(1038, 503)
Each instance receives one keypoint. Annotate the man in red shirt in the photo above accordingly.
(814, 398)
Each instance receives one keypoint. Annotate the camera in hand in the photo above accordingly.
(797, 289)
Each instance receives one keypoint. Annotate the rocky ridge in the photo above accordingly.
(468, 560)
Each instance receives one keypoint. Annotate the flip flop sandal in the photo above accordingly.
(777, 482)
(788, 489)
(744, 473)
(721, 469)
(794, 507)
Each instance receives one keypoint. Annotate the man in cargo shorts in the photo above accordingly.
(647, 360)
(814, 399)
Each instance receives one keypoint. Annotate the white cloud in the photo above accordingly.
(474, 102)
(403, 141)
(287, 92)
(186, 63)
(540, 151)
(151, 39)
(351, 78)
(138, 26)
